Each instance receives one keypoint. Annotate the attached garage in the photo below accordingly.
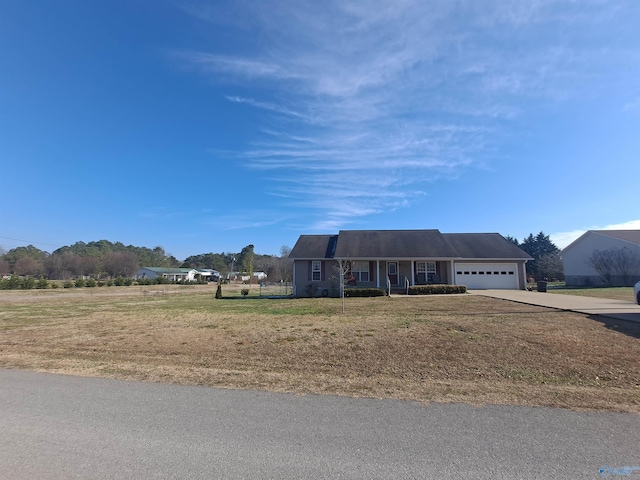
(487, 275)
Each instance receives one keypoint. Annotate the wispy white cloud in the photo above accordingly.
(393, 95)
(254, 219)
(632, 106)
(264, 105)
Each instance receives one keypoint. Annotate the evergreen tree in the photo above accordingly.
(539, 247)
(247, 260)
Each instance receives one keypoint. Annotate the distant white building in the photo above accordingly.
(208, 274)
(171, 274)
(234, 276)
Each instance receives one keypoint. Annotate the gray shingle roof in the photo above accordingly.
(393, 244)
(168, 269)
(485, 246)
(371, 244)
(632, 236)
(314, 247)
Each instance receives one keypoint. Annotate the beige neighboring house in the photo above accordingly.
(575, 257)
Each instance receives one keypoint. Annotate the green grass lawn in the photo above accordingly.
(443, 348)
(614, 293)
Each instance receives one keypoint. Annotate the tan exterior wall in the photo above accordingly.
(576, 257)
(330, 285)
(304, 287)
(577, 270)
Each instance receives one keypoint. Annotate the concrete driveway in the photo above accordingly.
(618, 309)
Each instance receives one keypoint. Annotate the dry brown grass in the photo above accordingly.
(613, 293)
(463, 348)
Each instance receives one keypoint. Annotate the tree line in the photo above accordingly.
(105, 259)
(547, 258)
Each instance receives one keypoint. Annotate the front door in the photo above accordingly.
(392, 272)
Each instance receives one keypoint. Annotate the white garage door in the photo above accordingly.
(487, 275)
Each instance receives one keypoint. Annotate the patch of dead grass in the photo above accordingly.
(613, 293)
(468, 349)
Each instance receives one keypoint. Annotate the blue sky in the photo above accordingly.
(207, 126)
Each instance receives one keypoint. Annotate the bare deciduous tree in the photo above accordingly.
(619, 262)
(120, 264)
(602, 261)
(626, 264)
(550, 266)
(286, 264)
(28, 266)
(87, 265)
(343, 268)
(4, 267)
(63, 266)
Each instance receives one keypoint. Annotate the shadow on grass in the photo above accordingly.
(252, 297)
(627, 327)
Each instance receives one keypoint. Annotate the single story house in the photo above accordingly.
(391, 259)
(171, 274)
(576, 255)
(233, 276)
(207, 274)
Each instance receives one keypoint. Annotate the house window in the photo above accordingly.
(316, 270)
(360, 270)
(426, 270)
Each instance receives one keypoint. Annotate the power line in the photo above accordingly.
(30, 242)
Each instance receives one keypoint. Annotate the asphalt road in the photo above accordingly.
(55, 427)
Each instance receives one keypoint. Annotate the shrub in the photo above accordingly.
(67, 284)
(244, 292)
(14, 282)
(54, 285)
(436, 289)
(364, 292)
(219, 292)
(79, 283)
(42, 283)
(90, 283)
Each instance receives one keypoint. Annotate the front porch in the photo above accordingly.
(397, 275)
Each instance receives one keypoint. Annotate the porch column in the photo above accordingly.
(378, 273)
(413, 273)
(523, 282)
(452, 271)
